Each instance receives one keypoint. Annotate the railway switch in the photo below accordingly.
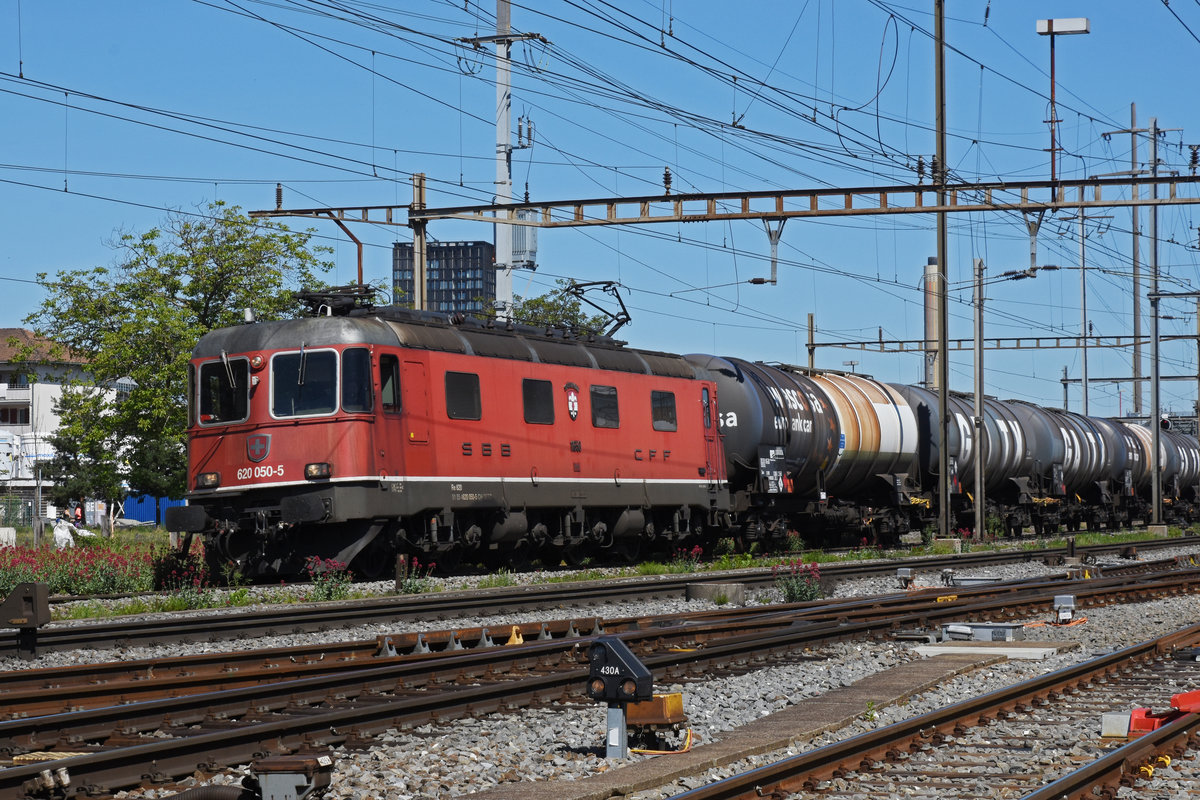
(26, 609)
(618, 678)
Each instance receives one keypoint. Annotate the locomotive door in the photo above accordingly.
(415, 388)
(714, 459)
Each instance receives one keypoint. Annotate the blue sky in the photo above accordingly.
(115, 113)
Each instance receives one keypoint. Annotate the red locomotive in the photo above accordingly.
(364, 433)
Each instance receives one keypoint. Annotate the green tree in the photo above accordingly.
(134, 325)
(559, 309)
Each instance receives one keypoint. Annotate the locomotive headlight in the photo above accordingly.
(208, 480)
(257, 361)
(321, 469)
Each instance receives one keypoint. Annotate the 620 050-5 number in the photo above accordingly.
(261, 471)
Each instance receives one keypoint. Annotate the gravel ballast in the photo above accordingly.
(566, 742)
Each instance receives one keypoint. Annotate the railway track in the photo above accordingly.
(239, 625)
(100, 750)
(1037, 740)
(52, 690)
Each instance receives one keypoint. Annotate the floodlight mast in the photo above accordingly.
(1053, 28)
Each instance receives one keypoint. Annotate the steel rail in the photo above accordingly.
(444, 605)
(804, 771)
(24, 692)
(1122, 766)
(553, 662)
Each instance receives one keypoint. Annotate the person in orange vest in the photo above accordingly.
(79, 514)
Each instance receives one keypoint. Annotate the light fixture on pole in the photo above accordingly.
(1053, 28)
(851, 365)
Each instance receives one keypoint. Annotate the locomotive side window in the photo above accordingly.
(707, 404)
(539, 401)
(389, 383)
(662, 411)
(462, 396)
(356, 380)
(224, 391)
(304, 384)
(605, 413)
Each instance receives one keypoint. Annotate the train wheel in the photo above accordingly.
(519, 557)
(626, 550)
(376, 560)
(446, 562)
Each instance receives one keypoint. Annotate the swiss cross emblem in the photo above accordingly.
(258, 446)
(572, 400)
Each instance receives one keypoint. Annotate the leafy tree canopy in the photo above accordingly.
(134, 324)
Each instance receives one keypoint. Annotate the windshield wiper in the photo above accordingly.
(228, 369)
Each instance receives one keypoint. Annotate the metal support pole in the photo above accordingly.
(812, 349)
(420, 254)
(773, 236)
(1083, 323)
(504, 255)
(1155, 400)
(1137, 268)
(617, 739)
(1053, 112)
(981, 443)
(944, 524)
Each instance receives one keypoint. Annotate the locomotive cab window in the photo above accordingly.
(662, 411)
(356, 380)
(539, 401)
(462, 396)
(304, 384)
(224, 391)
(389, 383)
(605, 413)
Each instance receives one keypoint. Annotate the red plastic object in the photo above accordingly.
(1187, 702)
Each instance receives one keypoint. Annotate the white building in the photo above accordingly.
(29, 394)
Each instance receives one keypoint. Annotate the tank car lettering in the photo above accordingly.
(729, 420)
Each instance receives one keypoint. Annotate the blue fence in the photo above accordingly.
(142, 508)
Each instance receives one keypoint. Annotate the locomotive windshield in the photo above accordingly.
(304, 383)
(224, 391)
